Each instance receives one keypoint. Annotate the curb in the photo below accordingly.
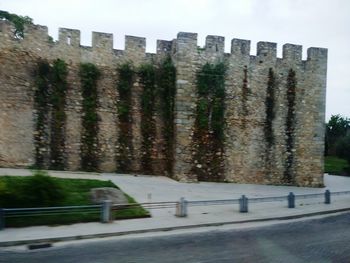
(163, 229)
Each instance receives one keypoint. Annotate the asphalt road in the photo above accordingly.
(321, 240)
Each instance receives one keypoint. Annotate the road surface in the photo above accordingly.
(319, 240)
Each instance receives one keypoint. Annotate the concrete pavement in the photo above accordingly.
(156, 188)
(165, 189)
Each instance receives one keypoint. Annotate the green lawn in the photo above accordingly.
(76, 192)
(335, 165)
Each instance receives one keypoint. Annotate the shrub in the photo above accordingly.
(43, 190)
(35, 191)
(11, 194)
(3, 187)
(5, 194)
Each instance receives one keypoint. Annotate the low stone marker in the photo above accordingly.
(116, 196)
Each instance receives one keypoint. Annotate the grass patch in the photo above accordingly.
(337, 166)
(134, 212)
(76, 192)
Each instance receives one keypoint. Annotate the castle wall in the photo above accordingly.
(256, 145)
(248, 157)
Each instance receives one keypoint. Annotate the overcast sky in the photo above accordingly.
(311, 23)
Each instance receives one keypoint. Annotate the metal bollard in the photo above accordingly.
(2, 219)
(106, 211)
(243, 204)
(291, 200)
(181, 208)
(327, 197)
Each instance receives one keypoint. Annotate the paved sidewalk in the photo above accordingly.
(154, 189)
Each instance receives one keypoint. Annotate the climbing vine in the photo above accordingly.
(268, 125)
(209, 124)
(147, 81)
(50, 117)
(166, 82)
(41, 105)
(18, 21)
(89, 75)
(58, 115)
(245, 92)
(269, 108)
(290, 126)
(124, 143)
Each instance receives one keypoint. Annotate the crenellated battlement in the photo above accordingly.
(133, 43)
(314, 53)
(39, 32)
(70, 37)
(102, 41)
(292, 52)
(240, 46)
(164, 46)
(215, 44)
(185, 41)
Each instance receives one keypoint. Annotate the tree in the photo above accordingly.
(336, 129)
(18, 21)
(343, 148)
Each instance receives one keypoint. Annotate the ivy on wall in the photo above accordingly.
(270, 108)
(89, 75)
(147, 80)
(158, 84)
(245, 92)
(208, 135)
(269, 135)
(41, 106)
(290, 126)
(166, 82)
(124, 144)
(50, 117)
(58, 115)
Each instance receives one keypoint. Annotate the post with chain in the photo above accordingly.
(327, 197)
(243, 204)
(106, 215)
(181, 208)
(291, 200)
(2, 218)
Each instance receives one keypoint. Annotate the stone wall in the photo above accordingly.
(256, 145)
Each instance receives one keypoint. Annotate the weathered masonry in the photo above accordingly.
(188, 112)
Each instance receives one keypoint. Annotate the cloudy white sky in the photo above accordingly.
(311, 23)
